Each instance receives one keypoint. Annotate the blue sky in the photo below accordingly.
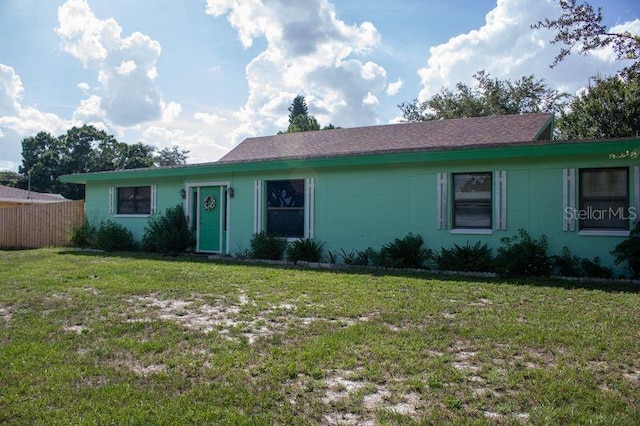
(204, 75)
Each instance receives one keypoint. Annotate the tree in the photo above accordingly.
(80, 150)
(137, 156)
(11, 178)
(300, 120)
(609, 109)
(489, 96)
(580, 27)
(41, 162)
(298, 108)
(172, 156)
(303, 123)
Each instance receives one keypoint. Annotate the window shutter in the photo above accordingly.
(636, 196)
(568, 199)
(441, 201)
(500, 200)
(309, 213)
(257, 206)
(111, 199)
(154, 196)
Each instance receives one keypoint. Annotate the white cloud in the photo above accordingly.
(202, 140)
(18, 121)
(29, 121)
(126, 66)
(83, 35)
(207, 118)
(506, 47)
(171, 111)
(90, 110)
(309, 51)
(607, 54)
(394, 88)
(370, 99)
(84, 87)
(10, 90)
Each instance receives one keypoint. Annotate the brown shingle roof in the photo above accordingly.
(16, 195)
(422, 136)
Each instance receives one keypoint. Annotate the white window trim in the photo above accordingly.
(568, 200)
(154, 199)
(481, 231)
(500, 200)
(604, 233)
(442, 201)
(113, 202)
(309, 208)
(112, 191)
(636, 194)
(615, 232)
(257, 207)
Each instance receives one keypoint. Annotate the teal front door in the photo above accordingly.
(211, 213)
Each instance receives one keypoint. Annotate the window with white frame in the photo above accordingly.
(284, 207)
(476, 202)
(604, 199)
(472, 200)
(132, 200)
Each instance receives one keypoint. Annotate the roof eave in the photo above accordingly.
(521, 150)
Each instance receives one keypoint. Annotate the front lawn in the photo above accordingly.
(92, 338)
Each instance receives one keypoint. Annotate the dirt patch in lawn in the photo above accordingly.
(232, 320)
(77, 329)
(352, 401)
(127, 361)
(633, 376)
(481, 303)
(5, 313)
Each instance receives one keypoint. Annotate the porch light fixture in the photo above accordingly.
(183, 193)
(231, 192)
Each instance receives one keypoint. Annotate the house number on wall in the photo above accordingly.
(209, 203)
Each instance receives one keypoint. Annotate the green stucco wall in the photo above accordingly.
(358, 205)
(97, 201)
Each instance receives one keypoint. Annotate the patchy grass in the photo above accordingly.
(98, 338)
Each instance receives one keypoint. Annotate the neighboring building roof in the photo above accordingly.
(22, 196)
(392, 138)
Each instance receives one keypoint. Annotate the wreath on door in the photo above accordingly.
(209, 203)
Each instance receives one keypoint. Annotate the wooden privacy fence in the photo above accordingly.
(40, 225)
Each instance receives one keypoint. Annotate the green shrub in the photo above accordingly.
(267, 247)
(347, 258)
(112, 236)
(366, 257)
(593, 268)
(476, 258)
(168, 232)
(243, 253)
(521, 255)
(83, 235)
(629, 251)
(569, 265)
(307, 249)
(405, 253)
